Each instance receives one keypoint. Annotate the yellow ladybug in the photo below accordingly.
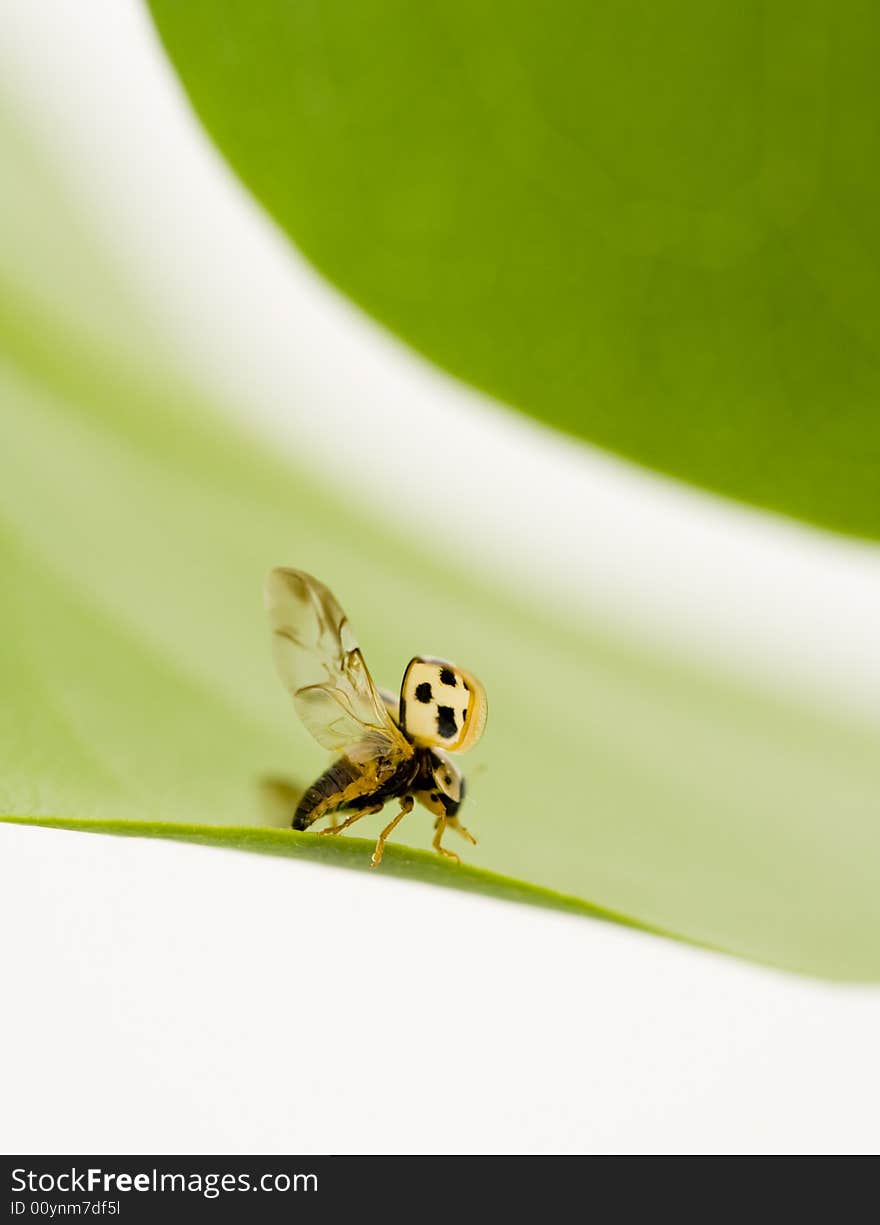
(388, 749)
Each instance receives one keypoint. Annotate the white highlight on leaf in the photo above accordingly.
(749, 592)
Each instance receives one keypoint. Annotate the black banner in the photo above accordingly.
(131, 1190)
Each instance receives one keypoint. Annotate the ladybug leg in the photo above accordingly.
(355, 816)
(406, 805)
(441, 850)
(455, 824)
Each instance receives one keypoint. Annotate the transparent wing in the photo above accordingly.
(320, 663)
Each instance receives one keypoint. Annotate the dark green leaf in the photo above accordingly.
(652, 225)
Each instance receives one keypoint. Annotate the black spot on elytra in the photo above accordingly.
(423, 692)
(435, 796)
(447, 677)
(446, 724)
(447, 780)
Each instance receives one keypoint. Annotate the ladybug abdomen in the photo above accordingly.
(327, 793)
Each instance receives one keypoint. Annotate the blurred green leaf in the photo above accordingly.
(135, 528)
(651, 225)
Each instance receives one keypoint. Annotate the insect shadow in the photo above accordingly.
(277, 799)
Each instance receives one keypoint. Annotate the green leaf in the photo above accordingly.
(135, 529)
(651, 225)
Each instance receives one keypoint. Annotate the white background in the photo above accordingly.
(172, 998)
(185, 999)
